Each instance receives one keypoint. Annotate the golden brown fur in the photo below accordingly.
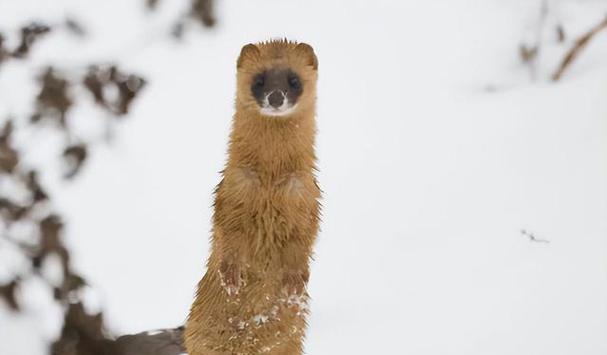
(253, 299)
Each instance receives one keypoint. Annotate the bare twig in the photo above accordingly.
(532, 237)
(578, 46)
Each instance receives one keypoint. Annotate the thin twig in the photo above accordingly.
(578, 46)
(533, 238)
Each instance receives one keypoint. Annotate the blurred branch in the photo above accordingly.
(59, 91)
(55, 98)
(577, 48)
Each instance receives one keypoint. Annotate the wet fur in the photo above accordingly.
(253, 299)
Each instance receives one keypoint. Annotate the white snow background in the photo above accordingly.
(428, 176)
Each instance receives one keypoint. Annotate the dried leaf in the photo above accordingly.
(11, 211)
(38, 194)
(30, 34)
(202, 10)
(9, 157)
(74, 155)
(8, 292)
(93, 82)
(99, 78)
(50, 232)
(527, 54)
(50, 241)
(74, 282)
(129, 87)
(54, 100)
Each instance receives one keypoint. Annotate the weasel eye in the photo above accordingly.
(259, 81)
(294, 82)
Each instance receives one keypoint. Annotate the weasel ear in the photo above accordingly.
(307, 52)
(248, 51)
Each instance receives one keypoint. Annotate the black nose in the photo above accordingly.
(276, 99)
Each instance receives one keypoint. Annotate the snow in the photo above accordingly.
(52, 269)
(13, 262)
(260, 319)
(435, 151)
(153, 332)
(37, 324)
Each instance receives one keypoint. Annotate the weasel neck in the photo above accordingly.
(273, 146)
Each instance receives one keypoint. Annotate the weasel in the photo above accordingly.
(253, 297)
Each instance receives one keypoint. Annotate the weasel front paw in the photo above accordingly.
(231, 278)
(294, 283)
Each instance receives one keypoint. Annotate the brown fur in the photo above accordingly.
(253, 299)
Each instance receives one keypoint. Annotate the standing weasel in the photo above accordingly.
(253, 299)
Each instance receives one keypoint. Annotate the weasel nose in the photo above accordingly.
(276, 99)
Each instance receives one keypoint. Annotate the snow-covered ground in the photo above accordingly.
(435, 151)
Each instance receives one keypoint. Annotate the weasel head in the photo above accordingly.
(277, 78)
